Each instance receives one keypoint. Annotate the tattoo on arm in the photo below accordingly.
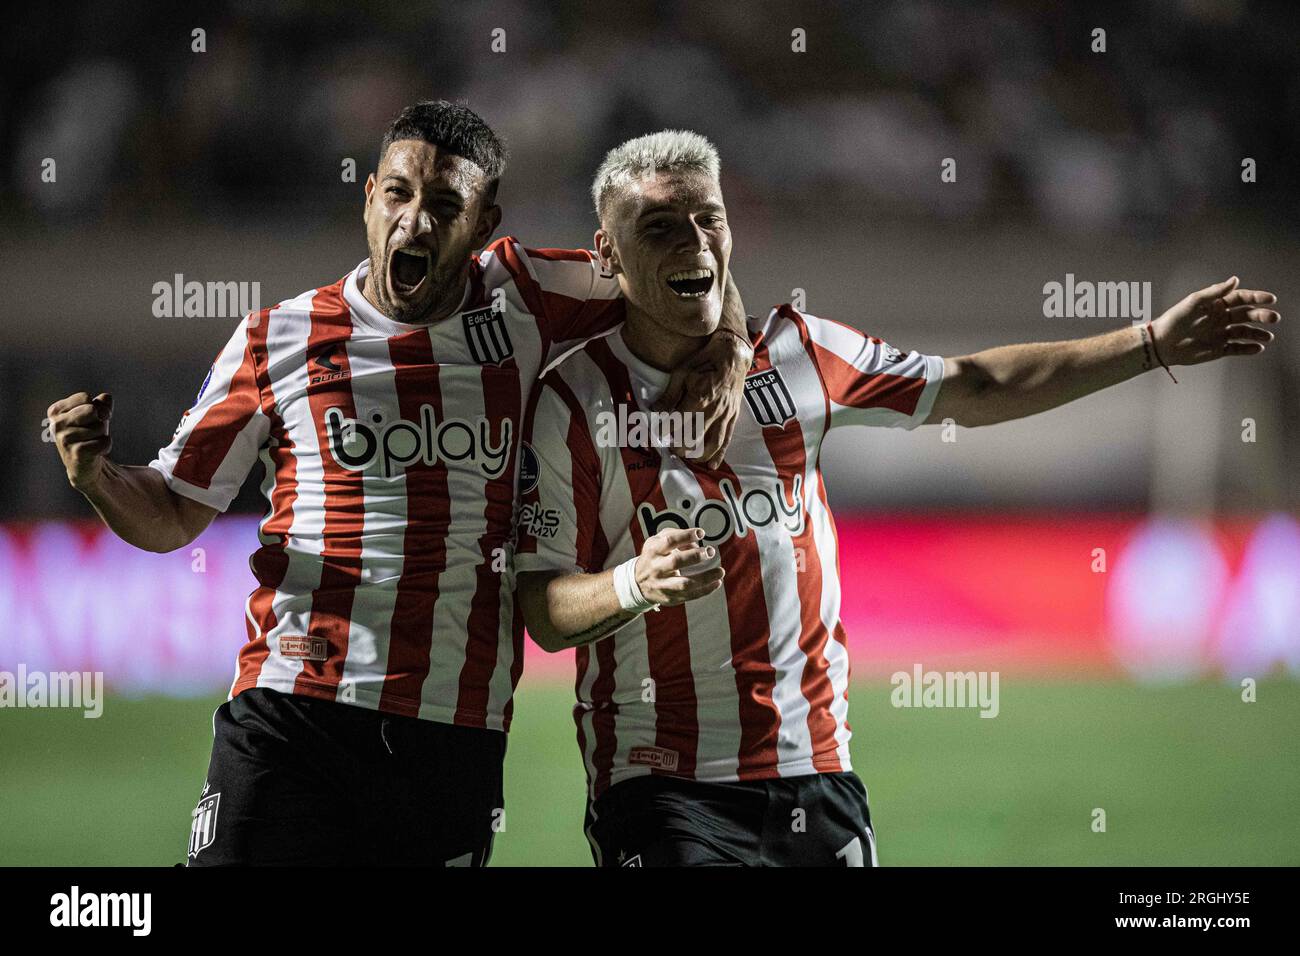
(597, 630)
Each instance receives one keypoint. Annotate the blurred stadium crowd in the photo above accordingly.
(1011, 88)
(226, 164)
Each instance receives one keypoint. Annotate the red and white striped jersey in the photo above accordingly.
(384, 572)
(751, 681)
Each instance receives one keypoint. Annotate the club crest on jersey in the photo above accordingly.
(203, 823)
(487, 335)
(768, 398)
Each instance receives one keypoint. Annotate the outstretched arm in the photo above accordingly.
(1014, 381)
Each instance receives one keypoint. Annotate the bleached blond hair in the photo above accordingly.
(670, 150)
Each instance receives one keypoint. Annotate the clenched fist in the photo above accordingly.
(79, 426)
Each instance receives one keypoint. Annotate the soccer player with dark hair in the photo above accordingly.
(367, 721)
(713, 729)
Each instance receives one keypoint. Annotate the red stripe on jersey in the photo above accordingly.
(560, 317)
(210, 440)
(602, 719)
(592, 548)
(516, 666)
(559, 255)
(270, 562)
(573, 319)
(527, 544)
(424, 542)
(806, 338)
(501, 405)
(569, 318)
(345, 500)
(581, 658)
(748, 621)
(668, 649)
(786, 446)
(507, 251)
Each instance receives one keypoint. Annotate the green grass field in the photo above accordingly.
(1187, 776)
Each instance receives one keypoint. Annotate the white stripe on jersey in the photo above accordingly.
(383, 552)
(286, 343)
(801, 377)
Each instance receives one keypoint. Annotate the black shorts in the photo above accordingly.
(299, 781)
(657, 820)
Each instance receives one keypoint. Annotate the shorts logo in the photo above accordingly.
(203, 826)
(633, 861)
(304, 648)
(653, 757)
(769, 399)
(487, 335)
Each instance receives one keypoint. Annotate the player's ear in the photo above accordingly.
(370, 191)
(488, 221)
(606, 253)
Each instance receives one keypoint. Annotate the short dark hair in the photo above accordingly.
(455, 128)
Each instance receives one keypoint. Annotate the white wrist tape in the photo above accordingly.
(629, 593)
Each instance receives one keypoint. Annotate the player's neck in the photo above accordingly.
(656, 346)
(437, 313)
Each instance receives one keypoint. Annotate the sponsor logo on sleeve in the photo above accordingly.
(530, 469)
(204, 387)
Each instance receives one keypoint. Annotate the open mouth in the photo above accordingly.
(691, 283)
(408, 268)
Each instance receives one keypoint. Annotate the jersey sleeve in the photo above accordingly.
(559, 485)
(572, 297)
(867, 380)
(219, 437)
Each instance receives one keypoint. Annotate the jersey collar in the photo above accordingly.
(366, 315)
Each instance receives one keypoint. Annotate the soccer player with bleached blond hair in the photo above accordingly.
(367, 721)
(703, 601)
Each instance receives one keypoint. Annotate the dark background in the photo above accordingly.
(1118, 166)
